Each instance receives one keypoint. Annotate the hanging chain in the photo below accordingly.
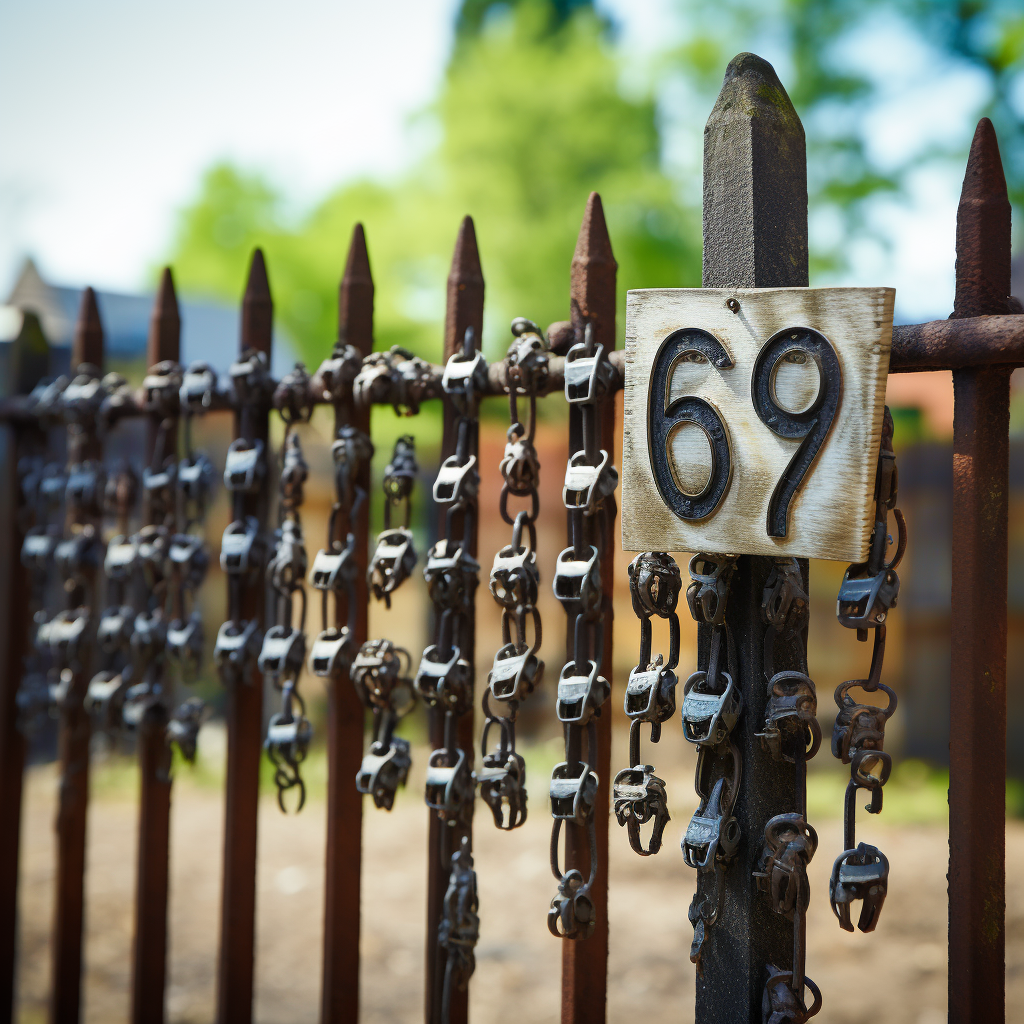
(791, 734)
(283, 652)
(42, 487)
(711, 706)
(590, 481)
(638, 794)
(381, 671)
(868, 591)
(514, 584)
(444, 679)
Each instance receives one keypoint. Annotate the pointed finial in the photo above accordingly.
(355, 296)
(29, 359)
(592, 288)
(755, 182)
(465, 290)
(164, 324)
(87, 345)
(257, 307)
(983, 231)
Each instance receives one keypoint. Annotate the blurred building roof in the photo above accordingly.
(209, 330)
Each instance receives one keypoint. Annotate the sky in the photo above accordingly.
(109, 113)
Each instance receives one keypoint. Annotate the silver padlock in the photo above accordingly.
(244, 466)
(238, 644)
(189, 559)
(651, 693)
(283, 652)
(573, 791)
(443, 682)
(119, 561)
(241, 547)
(464, 379)
(577, 582)
(335, 570)
(587, 486)
(449, 787)
(708, 718)
(114, 632)
(198, 386)
(514, 675)
(185, 640)
(455, 481)
(196, 478)
(331, 653)
(382, 772)
(587, 378)
(580, 695)
(37, 548)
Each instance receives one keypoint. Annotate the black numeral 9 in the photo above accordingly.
(812, 424)
(663, 417)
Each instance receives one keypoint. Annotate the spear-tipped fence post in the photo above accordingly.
(977, 746)
(755, 236)
(29, 357)
(465, 309)
(345, 715)
(149, 953)
(245, 705)
(74, 736)
(592, 301)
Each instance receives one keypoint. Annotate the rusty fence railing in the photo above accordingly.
(116, 572)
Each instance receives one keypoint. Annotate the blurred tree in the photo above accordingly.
(531, 119)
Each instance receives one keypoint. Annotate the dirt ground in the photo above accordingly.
(896, 975)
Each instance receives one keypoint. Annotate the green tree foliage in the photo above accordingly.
(531, 120)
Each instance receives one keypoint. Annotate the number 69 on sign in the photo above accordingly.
(753, 419)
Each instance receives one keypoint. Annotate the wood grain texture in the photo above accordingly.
(832, 513)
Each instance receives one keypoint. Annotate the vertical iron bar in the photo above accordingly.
(149, 954)
(465, 308)
(592, 300)
(245, 710)
(345, 717)
(29, 361)
(755, 236)
(74, 736)
(977, 745)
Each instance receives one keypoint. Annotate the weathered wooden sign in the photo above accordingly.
(753, 419)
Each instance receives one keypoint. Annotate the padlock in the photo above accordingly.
(250, 378)
(449, 787)
(331, 653)
(81, 399)
(580, 694)
(383, 771)
(161, 386)
(791, 716)
(400, 473)
(784, 602)
(587, 378)
(288, 736)
(587, 486)
(444, 682)
(515, 578)
(114, 631)
(573, 791)
(654, 584)
(185, 641)
(338, 371)
(198, 387)
(514, 674)
(520, 467)
(651, 693)
(451, 574)
(708, 718)
(120, 559)
(189, 559)
(288, 565)
(706, 595)
(283, 652)
(393, 561)
(638, 796)
(712, 836)
(159, 483)
(859, 726)
(138, 700)
(77, 555)
(37, 548)
(238, 644)
(456, 481)
(465, 379)
(104, 699)
(502, 782)
(183, 728)
(375, 669)
(149, 635)
(780, 1004)
(84, 488)
(789, 845)
(335, 570)
(241, 548)
(864, 601)
(527, 358)
(351, 450)
(196, 479)
(571, 914)
(577, 581)
(244, 466)
(859, 874)
(154, 545)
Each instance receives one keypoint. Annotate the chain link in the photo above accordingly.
(514, 584)
(590, 481)
(868, 591)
